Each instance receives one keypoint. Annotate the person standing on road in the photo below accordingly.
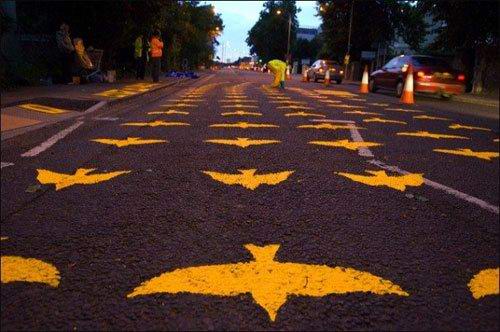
(66, 50)
(156, 53)
(141, 56)
(278, 68)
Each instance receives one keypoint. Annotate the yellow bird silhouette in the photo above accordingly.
(241, 113)
(242, 142)
(128, 141)
(350, 145)
(427, 117)
(486, 282)
(459, 126)
(61, 180)
(169, 112)
(380, 178)
(404, 110)
(380, 120)
(430, 135)
(249, 179)
(317, 115)
(239, 106)
(268, 281)
(328, 126)
(243, 125)
(486, 155)
(15, 268)
(157, 123)
(361, 113)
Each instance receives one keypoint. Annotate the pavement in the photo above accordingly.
(222, 204)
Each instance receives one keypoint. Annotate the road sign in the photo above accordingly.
(346, 59)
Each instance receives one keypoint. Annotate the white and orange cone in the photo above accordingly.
(327, 77)
(407, 95)
(305, 78)
(288, 77)
(363, 88)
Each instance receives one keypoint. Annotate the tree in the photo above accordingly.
(470, 28)
(268, 37)
(373, 22)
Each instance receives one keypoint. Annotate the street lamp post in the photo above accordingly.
(289, 34)
(349, 38)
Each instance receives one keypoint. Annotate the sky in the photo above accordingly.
(240, 16)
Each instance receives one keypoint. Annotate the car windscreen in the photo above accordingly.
(425, 61)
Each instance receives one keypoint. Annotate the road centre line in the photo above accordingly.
(479, 202)
(52, 140)
(356, 137)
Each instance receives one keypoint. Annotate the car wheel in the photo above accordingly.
(339, 81)
(372, 86)
(399, 89)
(446, 96)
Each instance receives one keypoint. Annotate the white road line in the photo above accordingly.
(51, 141)
(482, 204)
(96, 107)
(105, 119)
(356, 137)
(6, 164)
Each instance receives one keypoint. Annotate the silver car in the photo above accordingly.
(319, 68)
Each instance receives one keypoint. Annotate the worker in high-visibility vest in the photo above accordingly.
(156, 53)
(278, 68)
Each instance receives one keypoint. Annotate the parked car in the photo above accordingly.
(319, 68)
(430, 75)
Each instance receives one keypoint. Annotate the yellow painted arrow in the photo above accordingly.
(242, 142)
(270, 282)
(169, 112)
(128, 141)
(248, 179)
(361, 113)
(350, 145)
(62, 180)
(157, 123)
(430, 135)
(317, 115)
(42, 108)
(485, 283)
(380, 178)
(383, 121)
(243, 125)
(486, 155)
(328, 126)
(427, 117)
(459, 126)
(15, 269)
(241, 113)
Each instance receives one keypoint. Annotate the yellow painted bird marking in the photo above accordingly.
(248, 179)
(361, 113)
(459, 126)
(486, 155)
(237, 101)
(239, 106)
(62, 180)
(269, 282)
(306, 114)
(430, 135)
(350, 145)
(169, 112)
(42, 108)
(485, 283)
(378, 104)
(128, 141)
(186, 100)
(289, 102)
(348, 106)
(295, 107)
(328, 126)
(241, 113)
(179, 105)
(329, 101)
(383, 120)
(243, 125)
(427, 117)
(380, 178)
(242, 142)
(336, 93)
(15, 268)
(279, 98)
(156, 123)
(404, 110)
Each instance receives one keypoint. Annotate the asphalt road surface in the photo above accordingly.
(310, 227)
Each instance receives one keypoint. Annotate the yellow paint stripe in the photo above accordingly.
(42, 108)
(486, 282)
(15, 268)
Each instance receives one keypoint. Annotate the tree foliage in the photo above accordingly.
(269, 36)
(373, 22)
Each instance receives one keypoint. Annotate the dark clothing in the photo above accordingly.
(155, 70)
(140, 68)
(66, 66)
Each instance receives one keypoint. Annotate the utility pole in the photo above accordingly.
(288, 44)
(349, 38)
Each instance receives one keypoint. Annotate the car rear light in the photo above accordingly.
(321, 70)
(420, 74)
(461, 77)
(333, 69)
(341, 72)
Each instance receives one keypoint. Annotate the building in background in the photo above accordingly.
(307, 33)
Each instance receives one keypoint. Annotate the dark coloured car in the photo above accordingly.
(319, 68)
(430, 75)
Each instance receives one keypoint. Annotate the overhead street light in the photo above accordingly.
(289, 31)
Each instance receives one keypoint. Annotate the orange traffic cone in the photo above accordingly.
(364, 82)
(407, 95)
(305, 78)
(327, 77)
(288, 77)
